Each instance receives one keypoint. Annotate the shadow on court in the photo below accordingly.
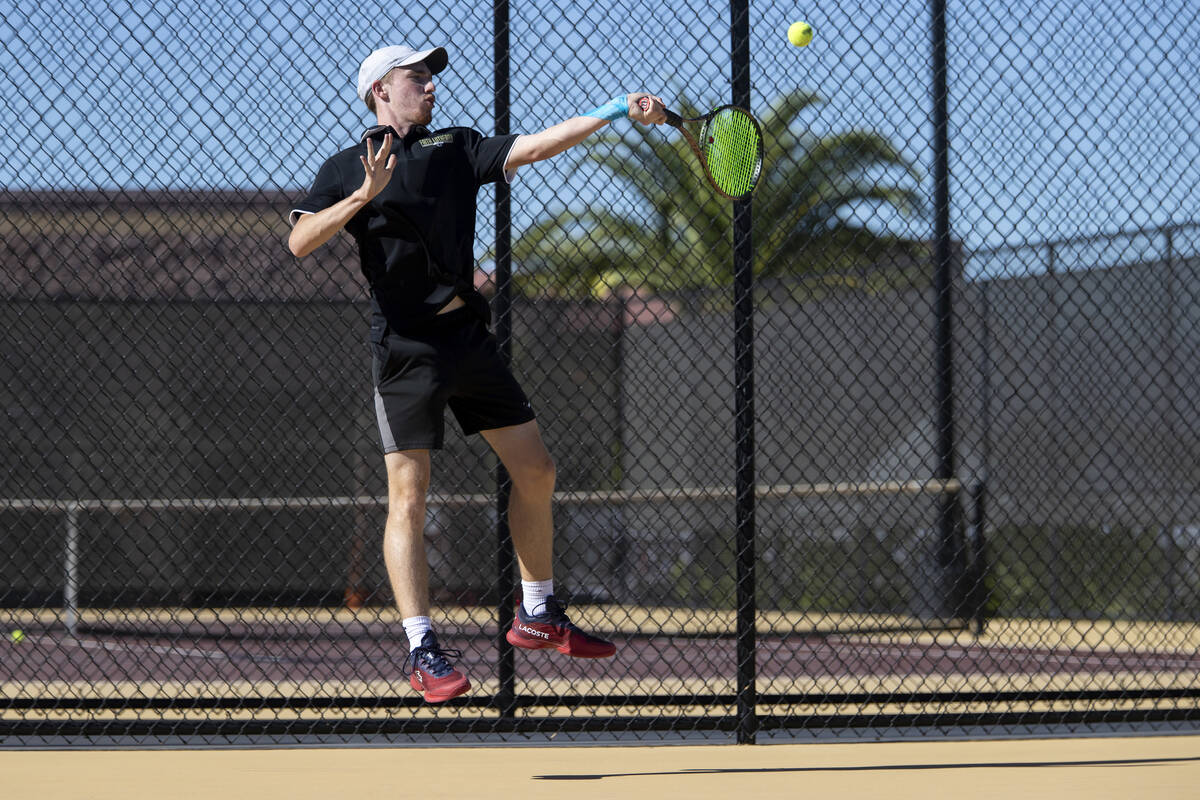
(1117, 762)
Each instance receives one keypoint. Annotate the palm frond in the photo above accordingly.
(681, 236)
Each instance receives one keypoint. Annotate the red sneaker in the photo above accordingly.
(431, 672)
(551, 628)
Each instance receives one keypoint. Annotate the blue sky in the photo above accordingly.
(1067, 118)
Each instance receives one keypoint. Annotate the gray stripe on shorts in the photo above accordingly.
(385, 432)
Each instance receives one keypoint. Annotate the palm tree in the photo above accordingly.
(679, 238)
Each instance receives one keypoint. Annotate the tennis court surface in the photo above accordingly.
(1164, 768)
(880, 438)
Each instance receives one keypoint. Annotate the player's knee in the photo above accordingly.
(407, 476)
(406, 510)
(535, 474)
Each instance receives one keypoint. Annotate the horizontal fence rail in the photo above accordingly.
(610, 497)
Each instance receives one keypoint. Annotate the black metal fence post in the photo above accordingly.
(743, 324)
(977, 591)
(505, 557)
(951, 555)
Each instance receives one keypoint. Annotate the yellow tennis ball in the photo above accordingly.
(800, 33)
(17, 636)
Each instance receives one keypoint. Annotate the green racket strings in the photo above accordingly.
(733, 152)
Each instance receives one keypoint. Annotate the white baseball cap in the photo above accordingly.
(385, 59)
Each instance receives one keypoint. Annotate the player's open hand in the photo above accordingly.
(647, 109)
(377, 168)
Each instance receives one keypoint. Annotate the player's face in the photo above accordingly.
(412, 93)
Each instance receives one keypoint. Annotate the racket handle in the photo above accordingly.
(673, 119)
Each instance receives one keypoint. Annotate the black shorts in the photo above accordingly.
(454, 360)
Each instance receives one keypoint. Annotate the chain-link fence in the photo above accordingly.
(906, 442)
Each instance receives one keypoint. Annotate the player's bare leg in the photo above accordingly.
(404, 532)
(521, 449)
(524, 455)
(430, 669)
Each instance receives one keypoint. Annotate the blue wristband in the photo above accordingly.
(614, 109)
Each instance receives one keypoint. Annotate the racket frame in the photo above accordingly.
(678, 122)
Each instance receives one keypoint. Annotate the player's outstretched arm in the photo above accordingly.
(313, 230)
(565, 135)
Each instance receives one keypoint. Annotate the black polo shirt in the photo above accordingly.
(416, 238)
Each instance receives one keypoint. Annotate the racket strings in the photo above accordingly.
(732, 146)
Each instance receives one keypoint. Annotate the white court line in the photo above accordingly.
(1115, 660)
(171, 650)
(1019, 659)
(1022, 657)
(194, 652)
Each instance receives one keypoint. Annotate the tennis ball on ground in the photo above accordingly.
(800, 33)
(17, 636)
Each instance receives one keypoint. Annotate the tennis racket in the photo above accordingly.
(729, 144)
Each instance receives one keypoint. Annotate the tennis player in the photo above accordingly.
(407, 194)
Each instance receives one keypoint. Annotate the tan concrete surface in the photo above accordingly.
(1144, 768)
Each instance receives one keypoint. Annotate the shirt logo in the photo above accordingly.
(435, 141)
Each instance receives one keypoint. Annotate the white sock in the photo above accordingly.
(534, 594)
(416, 628)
